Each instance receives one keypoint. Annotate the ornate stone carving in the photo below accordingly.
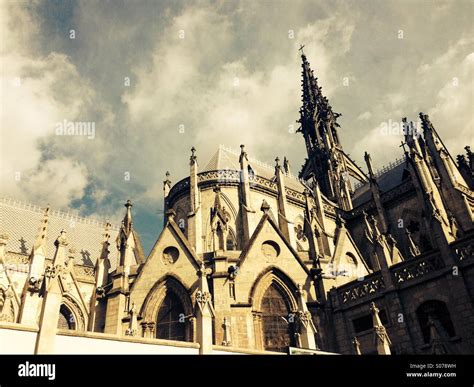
(202, 298)
(304, 318)
(7, 310)
(100, 292)
(362, 289)
(414, 269)
(84, 271)
(300, 233)
(52, 271)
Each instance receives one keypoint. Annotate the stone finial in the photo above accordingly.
(381, 339)
(356, 345)
(265, 206)
(128, 205)
(243, 154)
(286, 165)
(425, 121)
(62, 239)
(193, 157)
(375, 313)
(167, 178)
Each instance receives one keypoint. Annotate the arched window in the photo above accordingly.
(434, 312)
(277, 329)
(220, 236)
(171, 321)
(231, 243)
(66, 318)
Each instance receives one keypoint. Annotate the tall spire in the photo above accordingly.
(166, 191)
(244, 198)
(283, 223)
(194, 229)
(128, 242)
(327, 164)
(130, 254)
(428, 189)
(451, 182)
(166, 185)
(318, 121)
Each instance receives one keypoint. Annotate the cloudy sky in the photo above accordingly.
(157, 77)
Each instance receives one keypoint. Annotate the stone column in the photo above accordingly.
(204, 312)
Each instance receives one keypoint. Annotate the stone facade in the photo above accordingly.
(253, 257)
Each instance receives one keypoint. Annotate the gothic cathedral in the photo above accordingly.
(255, 259)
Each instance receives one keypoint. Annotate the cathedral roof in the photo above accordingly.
(21, 221)
(387, 178)
(226, 158)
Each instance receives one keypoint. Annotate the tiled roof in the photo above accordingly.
(226, 158)
(387, 179)
(21, 222)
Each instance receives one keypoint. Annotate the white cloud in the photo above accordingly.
(37, 92)
(453, 110)
(57, 181)
(365, 116)
(189, 82)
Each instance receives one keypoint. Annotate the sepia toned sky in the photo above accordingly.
(157, 77)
